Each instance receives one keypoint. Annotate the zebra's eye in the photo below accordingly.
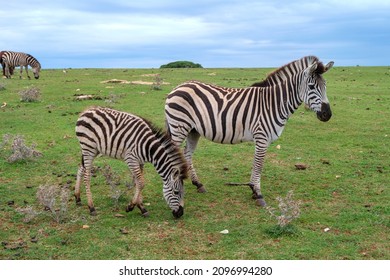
(176, 192)
(311, 86)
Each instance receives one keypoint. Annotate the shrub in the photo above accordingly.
(50, 196)
(181, 64)
(113, 180)
(289, 210)
(30, 95)
(53, 198)
(28, 212)
(18, 147)
(157, 83)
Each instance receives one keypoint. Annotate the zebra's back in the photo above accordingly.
(220, 114)
(16, 59)
(111, 133)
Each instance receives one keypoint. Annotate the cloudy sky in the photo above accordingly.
(214, 33)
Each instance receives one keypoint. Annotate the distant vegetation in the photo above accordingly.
(181, 64)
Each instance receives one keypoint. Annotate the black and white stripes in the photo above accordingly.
(125, 136)
(10, 60)
(257, 113)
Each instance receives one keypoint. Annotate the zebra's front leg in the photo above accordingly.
(255, 182)
(139, 182)
(191, 143)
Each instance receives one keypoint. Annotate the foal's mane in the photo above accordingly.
(166, 141)
(282, 73)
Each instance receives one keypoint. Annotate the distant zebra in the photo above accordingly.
(11, 69)
(257, 113)
(10, 60)
(124, 136)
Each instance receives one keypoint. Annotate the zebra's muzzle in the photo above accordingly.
(179, 212)
(325, 114)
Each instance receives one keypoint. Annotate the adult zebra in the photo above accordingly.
(11, 69)
(257, 113)
(10, 60)
(125, 136)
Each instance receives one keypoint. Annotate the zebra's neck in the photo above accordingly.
(285, 95)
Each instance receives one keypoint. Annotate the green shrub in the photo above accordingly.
(181, 64)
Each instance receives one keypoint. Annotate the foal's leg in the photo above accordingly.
(139, 182)
(191, 143)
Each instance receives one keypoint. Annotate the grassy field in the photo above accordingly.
(344, 192)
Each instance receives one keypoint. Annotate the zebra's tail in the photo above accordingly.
(167, 128)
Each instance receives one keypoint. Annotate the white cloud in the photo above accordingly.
(214, 32)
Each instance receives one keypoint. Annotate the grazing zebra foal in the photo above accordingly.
(124, 136)
(10, 60)
(257, 113)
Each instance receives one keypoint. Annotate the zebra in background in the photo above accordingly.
(125, 136)
(10, 60)
(11, 69)
(257, 113)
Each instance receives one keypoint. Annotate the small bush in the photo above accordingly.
(289, 210)
(51, 196)
(30, 95)
(181, 64)
(28, 212)
(157, 83)
(113, 181)
(20, 151)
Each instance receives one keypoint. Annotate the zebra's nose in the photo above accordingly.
(179, 212)
(325, 114)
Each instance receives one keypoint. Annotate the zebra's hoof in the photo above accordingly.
(129, 208)
(92, 212)
(78, 203)
(201, 189)
(261, 202)
(144, 212)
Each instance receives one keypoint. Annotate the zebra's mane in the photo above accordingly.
(166, 141)
(281, 74)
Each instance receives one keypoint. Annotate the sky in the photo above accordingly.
(214, 33)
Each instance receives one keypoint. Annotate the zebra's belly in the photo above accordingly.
(230, 137)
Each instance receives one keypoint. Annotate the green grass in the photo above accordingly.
(350, 195)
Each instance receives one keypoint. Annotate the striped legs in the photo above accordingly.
(137, 170)
(191, 143)
(21, 72)
(84, 173)
(260, 151)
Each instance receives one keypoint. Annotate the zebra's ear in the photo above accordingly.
(328, 66)
(175, 173)
(312, 68)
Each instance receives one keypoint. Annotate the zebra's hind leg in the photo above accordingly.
(191, 143)
(80, 175)
(87, 161)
